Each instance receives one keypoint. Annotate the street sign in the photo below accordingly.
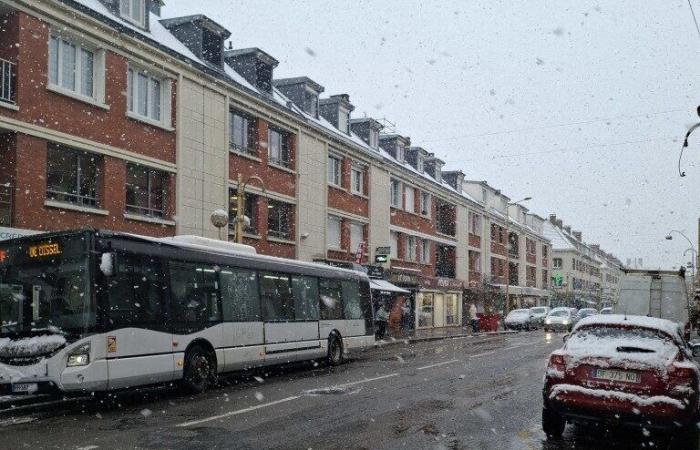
(360, 253)
(383, 251)
(381, 259)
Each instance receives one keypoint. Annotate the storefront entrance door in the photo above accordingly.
(439, 315)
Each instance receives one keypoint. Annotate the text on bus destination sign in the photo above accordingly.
(41, 250)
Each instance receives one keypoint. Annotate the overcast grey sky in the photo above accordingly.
(579, 104)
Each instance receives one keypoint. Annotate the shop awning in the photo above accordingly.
(383, 285)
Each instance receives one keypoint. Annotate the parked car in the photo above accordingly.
(519, 319)
(538, 314)
(559, 319)
(583, 313)
(625, 370)
(607, 310)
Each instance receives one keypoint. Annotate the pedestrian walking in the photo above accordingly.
(405, 317)
(381, 318)
(473, 317)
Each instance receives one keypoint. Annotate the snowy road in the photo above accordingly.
(468, 393)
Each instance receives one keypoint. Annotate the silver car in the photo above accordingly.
(538, 314)
(519, 319)
(559, 319)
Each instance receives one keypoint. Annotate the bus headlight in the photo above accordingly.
(80, 356)
(548, 321)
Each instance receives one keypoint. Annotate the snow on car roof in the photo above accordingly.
(668, 327)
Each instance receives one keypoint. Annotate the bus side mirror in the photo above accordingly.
(107, 264)
(695, 347)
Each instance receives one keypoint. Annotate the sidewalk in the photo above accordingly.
(434, 334)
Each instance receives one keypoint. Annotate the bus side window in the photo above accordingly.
(194, 295)
(134, 293)
(240, 301)
(276, 296)
(331, 293)
(305, 291)
(352, 307)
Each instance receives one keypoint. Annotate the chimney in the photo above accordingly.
(336, 110)
(155, 6)
(302, 91)
(433, 166)
(553, 219)
(254, 65)
(577, 235)
(204, 37)
(567, 229)
(368, 130)
(560, 224)
(454, 178)
(596, 248)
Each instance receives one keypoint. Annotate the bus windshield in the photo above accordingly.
(51, 295)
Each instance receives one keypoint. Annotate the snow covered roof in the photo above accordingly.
(667, 326)
(557, 237)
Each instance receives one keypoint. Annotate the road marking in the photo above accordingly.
(482, 354)
(277, 402)
(438, 364)
(237, 412)
(517, 346)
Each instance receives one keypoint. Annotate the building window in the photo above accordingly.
(484, 196)
(5, 204)
(357, 236)
(395, 194)
(334, 171)
(357, 180)
(278, 148)
(344, 120)
(419, 164)
(400, 153)
(556, 263)
(334, 232)
(394, 245)
(425, 251)
(278, 219)
(72, 176)
(410, 249)
(145, 191)
(373, 138)
(410, 200)
(474, 261)
(134, 11)
(250, 211)
(243, 135)
(474, 224)
(545, 251)
(145, 94)
(425, 204)
(71, 67)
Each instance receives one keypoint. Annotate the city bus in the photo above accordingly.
(97, 311)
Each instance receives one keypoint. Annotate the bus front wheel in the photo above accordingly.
(200, 370)
(335, 350)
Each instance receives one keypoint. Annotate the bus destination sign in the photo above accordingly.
(43, 250)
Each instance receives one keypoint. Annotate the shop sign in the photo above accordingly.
(396, 277)
(14, 233)
(375, 271)
(448, 284)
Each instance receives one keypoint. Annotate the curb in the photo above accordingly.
(410, 340)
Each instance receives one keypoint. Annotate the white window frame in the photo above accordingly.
(126, 9)
(98, 68)
(334, 221)
(335, 171)
(419, 163)
(394, 247)
(410, 249)
(425, 251)
(395, 194)
(357, 177)
(373, 138)
(475, 229)
(344, 120)
(555, 265)
(409, 199)
(354, 228)
(424, 204)
(400, 153)
(165, 106)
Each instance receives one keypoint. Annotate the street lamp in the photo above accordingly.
(669, 237)
(695, 258)
(507, 306)
(240, 203)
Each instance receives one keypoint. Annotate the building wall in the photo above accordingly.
(379, 185)
(312, 218)
(462, 262)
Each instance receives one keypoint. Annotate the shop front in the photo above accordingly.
(438, 302)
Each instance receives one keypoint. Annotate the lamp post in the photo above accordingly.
(507, 305)
(240, 203)
(695, 257)
(669, 237)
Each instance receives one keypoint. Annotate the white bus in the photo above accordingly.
(94, 311)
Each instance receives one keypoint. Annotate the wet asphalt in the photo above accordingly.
(465, 393)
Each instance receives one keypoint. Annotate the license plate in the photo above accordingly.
(617, 375)
(24, 388)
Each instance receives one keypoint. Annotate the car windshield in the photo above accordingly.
(538, 310)
(587, 312)
(560, 313)
(519, 313)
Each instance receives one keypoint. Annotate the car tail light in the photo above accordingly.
(557, 361)
(677, 371)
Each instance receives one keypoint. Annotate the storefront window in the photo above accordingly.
(451, 309)
(424, 303)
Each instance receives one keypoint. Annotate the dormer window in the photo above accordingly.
(312, 104)
(134, 11)
(484, 196)
(438, 174)
(419, 164)
(400, 153)
(343, 120)
(373, 138)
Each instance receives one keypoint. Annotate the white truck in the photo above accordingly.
(654, 293)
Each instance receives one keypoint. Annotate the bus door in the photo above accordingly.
(139, 346)
(290, 307)
(243, 335)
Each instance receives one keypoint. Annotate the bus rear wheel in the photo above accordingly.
(200, 370)
(335, 350)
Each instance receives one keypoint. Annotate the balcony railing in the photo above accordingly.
(6, 204)
(8, 77)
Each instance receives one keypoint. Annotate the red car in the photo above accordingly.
(624, 370)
